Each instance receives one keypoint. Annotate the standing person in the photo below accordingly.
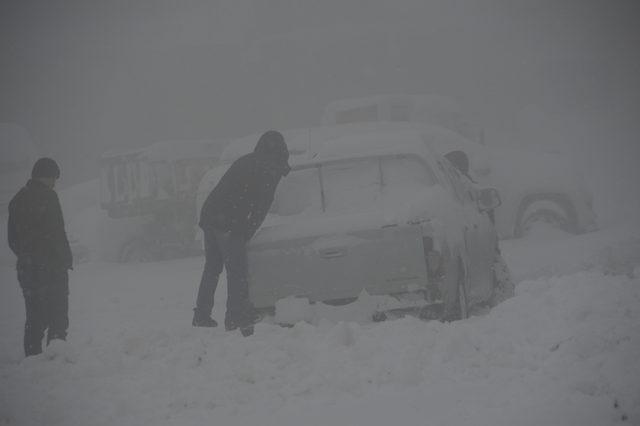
(37, 236)
(230, 216)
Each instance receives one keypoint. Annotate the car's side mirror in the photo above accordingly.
(488, 199)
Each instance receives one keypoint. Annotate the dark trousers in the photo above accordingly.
(225, 249)
(46, 299)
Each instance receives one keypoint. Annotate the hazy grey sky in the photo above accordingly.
(84, 76)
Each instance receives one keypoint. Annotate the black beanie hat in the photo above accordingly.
(45, 168)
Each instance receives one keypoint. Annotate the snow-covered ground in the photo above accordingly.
(564, 351)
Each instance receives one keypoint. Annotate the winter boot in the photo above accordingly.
(245, 329)
(200, 320)
(245, 323)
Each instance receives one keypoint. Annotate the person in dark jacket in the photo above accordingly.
(230, 216)
(37, 236)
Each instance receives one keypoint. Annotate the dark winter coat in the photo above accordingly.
(240, 201)
(36, 231)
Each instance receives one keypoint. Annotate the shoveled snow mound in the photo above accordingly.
(564, 350)
(548, 252)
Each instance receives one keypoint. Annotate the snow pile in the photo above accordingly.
(548, 252)
(564, 350)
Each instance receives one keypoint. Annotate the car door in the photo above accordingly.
(332, 238)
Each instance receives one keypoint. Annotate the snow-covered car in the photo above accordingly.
(534, 187)
(380, 212)
(149, 195)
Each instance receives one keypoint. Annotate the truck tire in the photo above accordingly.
(551, 209)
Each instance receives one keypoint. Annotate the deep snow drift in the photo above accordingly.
(564, 350)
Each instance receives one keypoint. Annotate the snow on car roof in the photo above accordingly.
(172, 150)
(305, 144)
(372, 143)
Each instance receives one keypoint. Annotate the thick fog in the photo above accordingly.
(83, 77)
(370, 281)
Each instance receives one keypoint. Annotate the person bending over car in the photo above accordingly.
(36, 235)
(230, 216)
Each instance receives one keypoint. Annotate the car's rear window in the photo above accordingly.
(298, 193)
(351, 186)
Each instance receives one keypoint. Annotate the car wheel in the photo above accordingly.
(504, 287)
(544, 212)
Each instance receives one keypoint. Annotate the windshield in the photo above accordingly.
(353, 186)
